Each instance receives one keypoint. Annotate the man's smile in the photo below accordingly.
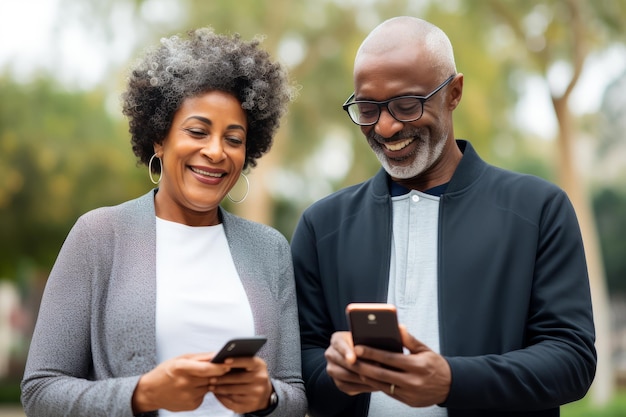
(396, 146)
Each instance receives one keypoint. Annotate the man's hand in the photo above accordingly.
(340, 360)
(422, 378)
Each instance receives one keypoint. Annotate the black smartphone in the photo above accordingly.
(239, 348)
(375, 325)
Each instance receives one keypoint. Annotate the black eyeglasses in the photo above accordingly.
(403, 108)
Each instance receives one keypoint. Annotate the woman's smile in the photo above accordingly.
(207, 175)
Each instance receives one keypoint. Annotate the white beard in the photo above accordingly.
(429, 151)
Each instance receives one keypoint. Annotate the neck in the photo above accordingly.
(166, 209)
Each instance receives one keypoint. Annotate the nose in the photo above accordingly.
(387, 125)
(213, 149)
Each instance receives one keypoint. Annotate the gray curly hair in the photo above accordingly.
(181, 68)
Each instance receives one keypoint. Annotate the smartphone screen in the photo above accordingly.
(375, 325)
(238, 348)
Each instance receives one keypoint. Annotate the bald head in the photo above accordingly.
(410, 35)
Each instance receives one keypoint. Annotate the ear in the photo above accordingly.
(158, 149)
(455, 92)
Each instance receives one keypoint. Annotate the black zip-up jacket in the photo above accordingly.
(515, 318)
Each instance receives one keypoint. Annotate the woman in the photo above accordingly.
(143, 294)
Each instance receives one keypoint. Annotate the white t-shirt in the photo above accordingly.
(200, 301)
(413, 286)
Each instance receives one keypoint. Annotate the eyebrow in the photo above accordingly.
(209, 122)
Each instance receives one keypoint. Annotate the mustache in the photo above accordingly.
(403, 134)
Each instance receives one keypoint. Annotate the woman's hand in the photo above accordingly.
(178, 384)
(243, 391)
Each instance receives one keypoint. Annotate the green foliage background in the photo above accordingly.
(62, 154)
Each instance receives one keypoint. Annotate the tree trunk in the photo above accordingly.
(603, 385)
(259, 205)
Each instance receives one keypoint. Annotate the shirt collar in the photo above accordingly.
(397, 190)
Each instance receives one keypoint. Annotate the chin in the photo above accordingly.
(402, 173)
(411, 168)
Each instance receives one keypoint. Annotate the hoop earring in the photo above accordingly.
(150, 169)
(245, 195)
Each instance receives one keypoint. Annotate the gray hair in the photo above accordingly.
(180, 68)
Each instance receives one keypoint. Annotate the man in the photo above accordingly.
(486, 267)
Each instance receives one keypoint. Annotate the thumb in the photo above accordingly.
(410, 342)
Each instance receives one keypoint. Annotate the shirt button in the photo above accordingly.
(415, 198)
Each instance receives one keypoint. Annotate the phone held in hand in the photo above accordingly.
(375, 325)
(239, 348)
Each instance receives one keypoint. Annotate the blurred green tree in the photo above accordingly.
(610, 174)
(61, 154)
(610, 207)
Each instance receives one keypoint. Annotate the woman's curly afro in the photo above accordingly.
(180, 68)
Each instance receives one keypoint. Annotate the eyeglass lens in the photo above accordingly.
(404, 109)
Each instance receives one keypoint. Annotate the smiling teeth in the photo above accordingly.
(208, 174)
(399, 145)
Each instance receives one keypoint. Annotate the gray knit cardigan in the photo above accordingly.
(95, 333)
